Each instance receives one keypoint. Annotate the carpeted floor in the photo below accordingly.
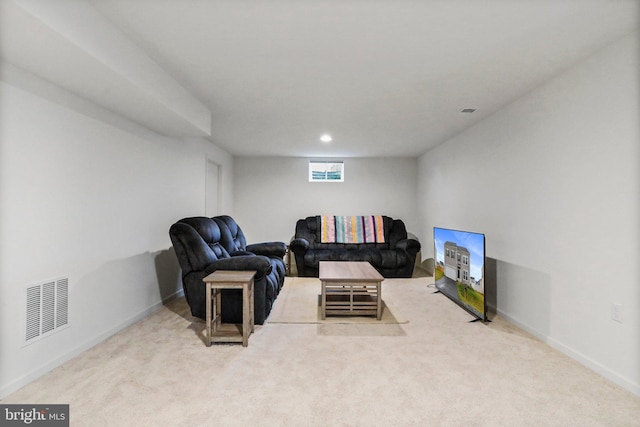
(436, 369)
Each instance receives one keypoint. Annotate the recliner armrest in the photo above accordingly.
(241, 253)
(270, 249)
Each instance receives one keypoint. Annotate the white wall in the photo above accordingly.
(273, 193)
(554, 182)
(87, 195)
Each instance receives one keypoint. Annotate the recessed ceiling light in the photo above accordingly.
(326, 138)
(468, 110)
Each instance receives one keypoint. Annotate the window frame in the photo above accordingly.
(326, 162)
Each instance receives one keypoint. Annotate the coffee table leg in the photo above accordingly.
(323, 300)
(379, 302)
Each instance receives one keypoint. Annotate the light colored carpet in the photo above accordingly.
(299, 302)
(437, 370)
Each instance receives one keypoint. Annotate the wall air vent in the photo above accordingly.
(468, 110)
(47, 309)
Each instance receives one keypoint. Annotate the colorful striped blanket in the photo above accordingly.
(351, 229)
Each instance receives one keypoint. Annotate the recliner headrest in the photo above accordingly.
(206, 228)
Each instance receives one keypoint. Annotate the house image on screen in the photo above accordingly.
(456, 263)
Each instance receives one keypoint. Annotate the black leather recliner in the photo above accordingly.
(204, 245)
(236, 242)
(394, 258)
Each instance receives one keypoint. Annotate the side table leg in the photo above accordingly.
(252, 318)
(217, 310)
(208, 313)
(245, 314)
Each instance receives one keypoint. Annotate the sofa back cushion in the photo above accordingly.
(310, 229)
(397, 232)
(351, 229)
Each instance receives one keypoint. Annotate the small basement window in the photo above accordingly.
(326, 171)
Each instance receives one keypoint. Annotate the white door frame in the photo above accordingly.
(209, 192)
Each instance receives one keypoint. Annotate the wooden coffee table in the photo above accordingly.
(350, 288)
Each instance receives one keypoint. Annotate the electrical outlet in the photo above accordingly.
(616, 312)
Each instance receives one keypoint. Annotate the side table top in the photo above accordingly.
(229, 276)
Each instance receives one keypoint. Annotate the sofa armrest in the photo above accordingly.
(260, 264)
(299, 245)
(269, 249)
(408, 245)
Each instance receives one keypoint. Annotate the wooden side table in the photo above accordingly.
(227, 279)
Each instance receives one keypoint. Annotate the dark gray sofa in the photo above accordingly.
(393, 258)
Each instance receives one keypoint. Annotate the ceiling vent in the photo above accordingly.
(47, 309)
(468, 110)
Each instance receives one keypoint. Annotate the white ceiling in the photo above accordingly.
(385, 78)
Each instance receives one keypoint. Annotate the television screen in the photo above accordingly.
(459, 260)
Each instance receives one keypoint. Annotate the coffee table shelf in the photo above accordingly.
(352, 300)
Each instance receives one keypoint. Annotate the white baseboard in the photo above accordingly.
(49, 366)
(577, 356)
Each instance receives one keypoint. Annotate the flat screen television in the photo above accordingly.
(459, 259)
